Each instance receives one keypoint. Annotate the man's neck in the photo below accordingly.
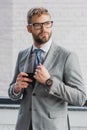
(38, 45)
(45, 46)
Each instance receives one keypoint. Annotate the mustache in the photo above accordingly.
(42, 32)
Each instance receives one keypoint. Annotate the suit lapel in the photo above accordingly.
(27, 59)
(49, 60)
(50, 56)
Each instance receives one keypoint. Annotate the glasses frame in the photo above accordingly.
(40, 25)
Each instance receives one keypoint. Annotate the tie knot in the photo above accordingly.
(38, 51)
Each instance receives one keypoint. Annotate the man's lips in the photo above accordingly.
(43, 34)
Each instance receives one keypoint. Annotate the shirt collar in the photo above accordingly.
(45, 47)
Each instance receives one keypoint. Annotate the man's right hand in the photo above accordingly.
(21, 82)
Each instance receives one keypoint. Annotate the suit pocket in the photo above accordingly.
(53, 115)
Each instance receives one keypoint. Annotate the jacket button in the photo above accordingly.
(30, 109)
(34, 94)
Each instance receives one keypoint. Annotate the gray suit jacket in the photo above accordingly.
(48, 108)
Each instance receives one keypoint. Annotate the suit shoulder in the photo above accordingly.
(62, 50)
(23, 54)
(25, 50)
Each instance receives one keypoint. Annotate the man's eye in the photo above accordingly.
(36, 24)
(47, 23)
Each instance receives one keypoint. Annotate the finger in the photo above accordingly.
(39, 66)
(35, 76)
(22, 74)
(35, 72)
(19, 78)
(38, 71)
(24, 84)
(27, 80)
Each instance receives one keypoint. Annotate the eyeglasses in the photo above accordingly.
(47, 24)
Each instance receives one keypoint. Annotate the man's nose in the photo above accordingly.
(43, 26)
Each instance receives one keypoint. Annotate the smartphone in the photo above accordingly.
(31, 76)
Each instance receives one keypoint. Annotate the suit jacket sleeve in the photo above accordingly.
(72, 89)
(11, 94)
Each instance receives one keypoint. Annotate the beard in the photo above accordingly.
(41, 40)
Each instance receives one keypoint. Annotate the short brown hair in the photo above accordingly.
(36, 11)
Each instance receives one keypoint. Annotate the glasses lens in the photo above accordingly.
(46, 24)
(37, 25)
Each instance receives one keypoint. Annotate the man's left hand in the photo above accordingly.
(41, 74)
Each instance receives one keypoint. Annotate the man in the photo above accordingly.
(57, 79)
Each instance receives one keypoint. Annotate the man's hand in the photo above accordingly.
(41, 74)
(21, 82)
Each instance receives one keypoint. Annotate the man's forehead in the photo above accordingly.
(40, 18)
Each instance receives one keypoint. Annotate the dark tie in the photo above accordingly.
(38, 58)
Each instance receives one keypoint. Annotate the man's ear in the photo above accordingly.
(29, 28)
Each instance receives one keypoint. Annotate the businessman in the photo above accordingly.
(47, 77)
